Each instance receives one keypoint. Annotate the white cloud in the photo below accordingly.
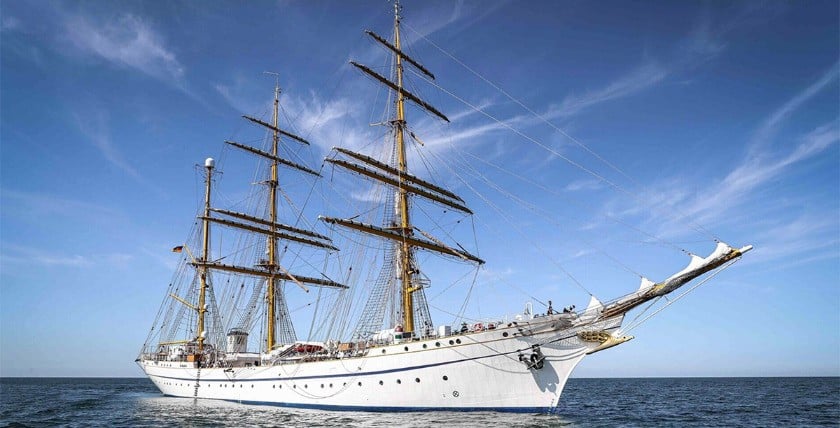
(769, 126)
(9, 23)
(30, 256)
(757, 170)
(777, 237)
(46, 204)
(94, 125)
(22, 255)
(128, 42)
(239, 95)
(637, 80)
(584, 185)
(803, 236)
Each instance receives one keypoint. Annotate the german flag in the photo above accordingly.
(178, 249)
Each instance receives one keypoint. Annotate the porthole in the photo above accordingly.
(505, 334)
(458, 341)
(330, 385)
(446, 378)
(425, 346)
(344, 384)
(252, 385)
(383, 351)
(437, 344)
(399, 381)
(381, 383)
(273, 386)
(406, 348)
(305, 386)
(360, 384)
(451, 342)
(294, 386)
(417, 379)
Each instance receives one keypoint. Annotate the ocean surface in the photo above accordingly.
(678, 402)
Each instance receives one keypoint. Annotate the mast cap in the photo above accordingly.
(209, 163)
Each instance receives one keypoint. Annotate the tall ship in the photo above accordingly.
(225, 329)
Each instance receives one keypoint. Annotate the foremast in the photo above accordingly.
(402, 232)
(269, 269)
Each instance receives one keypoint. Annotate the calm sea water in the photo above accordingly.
(726, 402)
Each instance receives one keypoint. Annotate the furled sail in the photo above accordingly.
(697, 266)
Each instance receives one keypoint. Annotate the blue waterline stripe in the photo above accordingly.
(393, 409)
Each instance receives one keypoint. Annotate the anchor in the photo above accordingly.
(536, 361)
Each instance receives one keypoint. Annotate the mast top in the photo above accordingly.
(276, 83)
(209, 163)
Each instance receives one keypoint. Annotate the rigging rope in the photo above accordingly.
(672, 301)
(682, 216)
(516, 228)
(549, 218)
(578, 203)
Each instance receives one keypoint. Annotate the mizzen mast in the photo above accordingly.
(209, 164)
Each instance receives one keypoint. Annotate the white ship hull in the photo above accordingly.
(475, 371)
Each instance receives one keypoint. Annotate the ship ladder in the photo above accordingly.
(197, 379)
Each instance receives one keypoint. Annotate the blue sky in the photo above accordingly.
(722, 115)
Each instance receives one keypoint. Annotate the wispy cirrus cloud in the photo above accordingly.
(9, 23)
(809, 236)
(761, 165)
(128, 41)
(637, 80)
(704, 42)
(94, 126)
(736, 189)
(48, 204)
(768, 127)
(29, 256)
(48, 260)
(779, 237)
(760, 169)
(584, 185)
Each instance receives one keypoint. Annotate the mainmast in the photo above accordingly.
(398, 176)
(405, 253)
(272, 240)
